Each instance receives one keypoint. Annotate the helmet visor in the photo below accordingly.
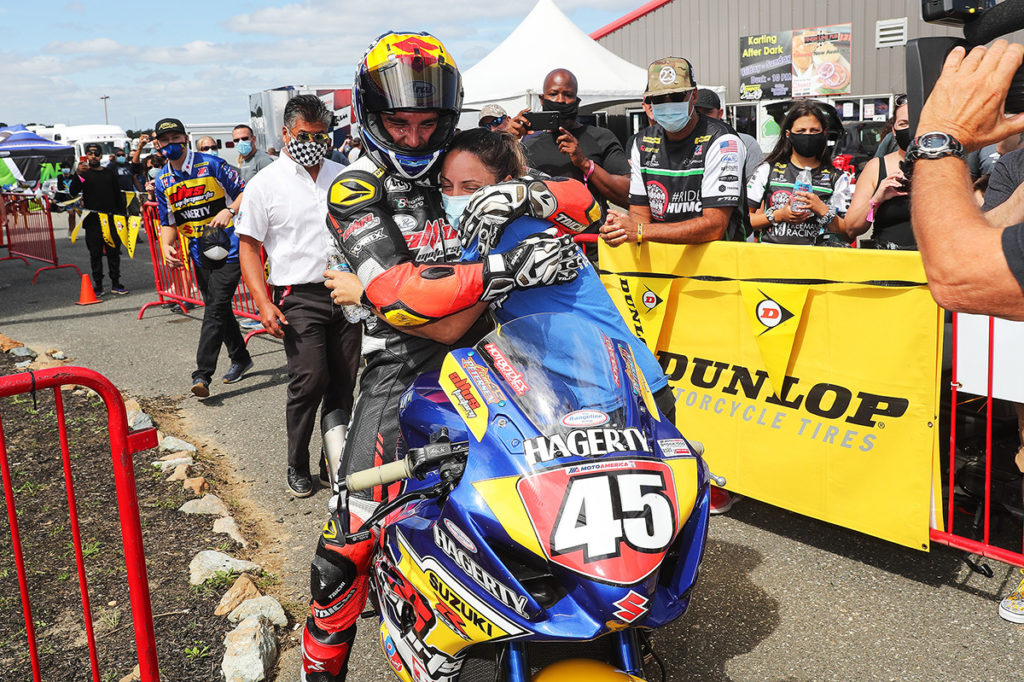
(410, 82)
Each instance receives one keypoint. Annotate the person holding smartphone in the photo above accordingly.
(561, 146)
(882, 197)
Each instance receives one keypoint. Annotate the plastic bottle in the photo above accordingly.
(802, 184)
(353, 313)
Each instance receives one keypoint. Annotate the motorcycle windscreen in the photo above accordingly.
(596, 497)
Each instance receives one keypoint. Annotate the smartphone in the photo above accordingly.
(543, 120)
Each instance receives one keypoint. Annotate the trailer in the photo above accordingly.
(266, 111)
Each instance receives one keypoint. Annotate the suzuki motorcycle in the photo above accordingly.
(544, 500)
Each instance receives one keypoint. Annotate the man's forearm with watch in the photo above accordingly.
(968, 262)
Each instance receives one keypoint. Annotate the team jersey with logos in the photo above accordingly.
(189, 199)
(678, 180)
(773, 186)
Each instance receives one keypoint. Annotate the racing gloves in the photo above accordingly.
(539, 260)
(565, 202)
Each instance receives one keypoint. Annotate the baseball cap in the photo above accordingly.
(91, 146)
(669, 75)
(708, 99)
(168, 125)
(492, 111)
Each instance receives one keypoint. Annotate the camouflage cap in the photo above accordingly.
(668, 75)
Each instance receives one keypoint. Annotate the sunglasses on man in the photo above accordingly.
(671, 97)
(303, 136)
(494, 122)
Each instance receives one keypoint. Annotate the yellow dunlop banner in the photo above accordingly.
(78, 224)
(105, 226)
(809, 373)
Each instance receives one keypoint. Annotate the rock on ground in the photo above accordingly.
(197, 486)
(244, 588)
(227, 526)
(180, 473)
(7, 343)
(172, 444)
(251, 649)
(166, 464)
(208, 504)
(266, 606)
(23, 352)
(205, 565)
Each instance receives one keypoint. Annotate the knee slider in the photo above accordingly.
(330, 574)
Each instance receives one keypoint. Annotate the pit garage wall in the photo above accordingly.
(707, 32)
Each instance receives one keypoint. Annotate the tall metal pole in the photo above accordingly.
(105, 98)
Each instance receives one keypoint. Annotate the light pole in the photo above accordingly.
(105, 98)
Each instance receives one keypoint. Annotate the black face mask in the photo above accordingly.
(902, 136)
(810, 145)
(567, 111)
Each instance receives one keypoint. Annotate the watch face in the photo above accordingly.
(933, 141)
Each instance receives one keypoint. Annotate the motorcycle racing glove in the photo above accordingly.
(565, 202)
(541, 259)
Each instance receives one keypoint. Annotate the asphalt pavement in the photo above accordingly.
(781, 596)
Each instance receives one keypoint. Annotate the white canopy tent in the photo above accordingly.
(512, 75)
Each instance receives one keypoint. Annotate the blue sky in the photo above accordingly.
(199, 61)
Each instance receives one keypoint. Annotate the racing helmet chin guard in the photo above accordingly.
(406, 72)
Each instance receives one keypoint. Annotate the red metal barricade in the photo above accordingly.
(982, 486)
(29, 228)
(179, 285)
(122, 445)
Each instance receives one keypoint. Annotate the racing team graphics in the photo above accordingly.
(194, 203)
(813, 374)
(615, 521)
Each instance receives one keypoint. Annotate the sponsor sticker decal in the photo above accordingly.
(583, 418)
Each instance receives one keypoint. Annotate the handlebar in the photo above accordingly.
(380, 475)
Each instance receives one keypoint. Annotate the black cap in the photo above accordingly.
(92, 145)
(707, 99)
(168, 125)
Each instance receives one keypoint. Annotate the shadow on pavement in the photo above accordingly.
(942, 566)
(729, 616)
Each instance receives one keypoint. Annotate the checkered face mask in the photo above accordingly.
(306, 153)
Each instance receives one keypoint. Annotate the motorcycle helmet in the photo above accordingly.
(408, 72)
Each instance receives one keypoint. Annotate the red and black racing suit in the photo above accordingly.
(396, 237)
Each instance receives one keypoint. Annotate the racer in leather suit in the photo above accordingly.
(386, 216)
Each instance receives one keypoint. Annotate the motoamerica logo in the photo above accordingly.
(820, 403)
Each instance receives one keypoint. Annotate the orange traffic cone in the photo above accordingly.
(87, 295)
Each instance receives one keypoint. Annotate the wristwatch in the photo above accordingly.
(769, 213)
(231, 210)
(934, 145)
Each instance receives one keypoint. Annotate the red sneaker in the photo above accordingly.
(721, 500)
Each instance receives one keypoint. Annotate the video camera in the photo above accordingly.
(983, 21)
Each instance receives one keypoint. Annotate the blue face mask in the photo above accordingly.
(672, 116)
(120, 159)
(453, 207)
(213, 152)
(172, 150)
(244, 147)
(153, 172)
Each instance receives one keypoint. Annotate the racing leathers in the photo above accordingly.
(396, 238)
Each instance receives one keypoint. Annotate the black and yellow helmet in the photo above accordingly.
(407, 72)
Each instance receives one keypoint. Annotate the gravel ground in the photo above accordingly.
(781, 597)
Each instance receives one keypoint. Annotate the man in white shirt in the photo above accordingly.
(284, 210)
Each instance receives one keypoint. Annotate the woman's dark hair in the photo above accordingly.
(499, 151)
(156, 161)
(784, 148)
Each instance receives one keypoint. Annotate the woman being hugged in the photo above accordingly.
(782, 213)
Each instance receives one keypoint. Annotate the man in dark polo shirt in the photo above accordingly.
(576, 150)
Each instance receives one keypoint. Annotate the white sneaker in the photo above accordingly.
(1012, 608)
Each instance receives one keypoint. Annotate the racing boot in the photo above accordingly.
(338, 584)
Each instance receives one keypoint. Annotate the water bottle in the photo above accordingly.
(353, 313)
(802, 184)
